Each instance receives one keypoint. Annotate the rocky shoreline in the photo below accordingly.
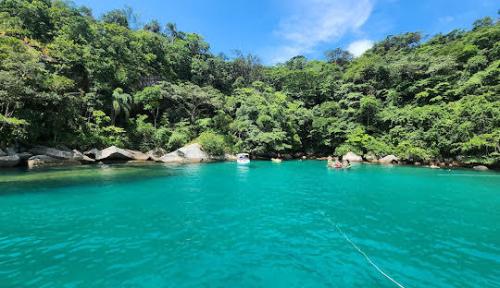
(394, 160)
(43, 157)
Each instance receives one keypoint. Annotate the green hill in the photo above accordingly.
(68, 78)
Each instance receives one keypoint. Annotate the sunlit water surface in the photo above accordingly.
(265, 225)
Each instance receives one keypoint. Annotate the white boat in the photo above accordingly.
(243, 158)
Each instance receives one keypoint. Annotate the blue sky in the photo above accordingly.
(276, 30)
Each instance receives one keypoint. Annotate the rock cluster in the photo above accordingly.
(41, 156)
(389, 159)
(192, 153)
(352, 157)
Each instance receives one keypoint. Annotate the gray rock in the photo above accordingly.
(2, 153)
(480, 168)
(370, 157)
(115, 153)
(59, 154)
(352, 157)
(389, 159)
(156, 154)
(83, 158)
(10, 161)
(172, 157)
(24, 156)
(232, 157)
(191, 153)
(92, 152)
(42, 161)
(56, 153)
(11, 151)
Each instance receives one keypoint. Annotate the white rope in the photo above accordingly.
(367, 258)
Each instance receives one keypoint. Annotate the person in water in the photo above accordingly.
(346, 164)
(334, 163)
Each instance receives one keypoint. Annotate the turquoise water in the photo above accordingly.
(266, 225)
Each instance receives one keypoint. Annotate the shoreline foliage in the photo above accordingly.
(67, 78)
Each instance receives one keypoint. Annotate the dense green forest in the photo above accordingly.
(67, 78)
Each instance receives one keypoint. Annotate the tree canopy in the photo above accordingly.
(68, 78)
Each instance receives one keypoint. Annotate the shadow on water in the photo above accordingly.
(26, 181)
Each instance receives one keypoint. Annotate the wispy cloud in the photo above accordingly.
(446, 19)
(314, 22)
(357, 48)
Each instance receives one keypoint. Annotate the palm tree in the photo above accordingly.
(173, 33)
(121, 104)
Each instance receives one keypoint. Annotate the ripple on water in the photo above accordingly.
(221, 225)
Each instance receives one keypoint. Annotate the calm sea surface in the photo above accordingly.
(264, 225)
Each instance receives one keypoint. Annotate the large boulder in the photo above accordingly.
(389, 159)
(24, 156)
(352, 157)
(43, 161)
(2, 153)
(55, 153)
(192, 153)
(480, 168)
(62, 154)
(114, 153)
(11, 151)
(370, 157)
(9, 161)
(92, 153)
(156, 154)
(230, 157)
(82, 157)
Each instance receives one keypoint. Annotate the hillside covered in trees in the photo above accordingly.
(67, 78)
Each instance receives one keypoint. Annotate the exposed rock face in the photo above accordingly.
(115, 153)
(40, 161)
(389, 159)
(371, 157)
(54, 153)
(352, 157)
(81, 157)
(9, 161)
(230, 157)
(188, 154)
(480, 168)
(11, 151)
(156, 154)
(92, 153)
(64, 154)
(24, 155)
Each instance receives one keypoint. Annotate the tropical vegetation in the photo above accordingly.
(67, 78)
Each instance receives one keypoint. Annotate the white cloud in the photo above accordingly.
(314, 22)
(446, 19)
(357, 48)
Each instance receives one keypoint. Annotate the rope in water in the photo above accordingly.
(367, 257)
